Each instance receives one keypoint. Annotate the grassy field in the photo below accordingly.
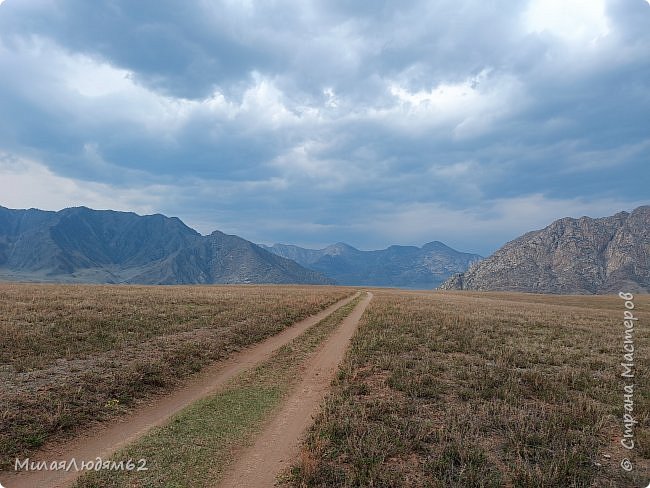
(199, 443)
(438, 389)
(74, 354)
(483, 390)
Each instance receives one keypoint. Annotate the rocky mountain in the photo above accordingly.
(582, 256)
(399, 266)
(222, 258)
(104, 246)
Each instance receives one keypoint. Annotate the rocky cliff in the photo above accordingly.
(582, 256)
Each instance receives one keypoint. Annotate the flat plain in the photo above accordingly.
(210, 439)
(462, 389)
(437, 389)
(72, 355)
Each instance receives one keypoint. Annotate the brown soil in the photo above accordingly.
(103, 440)
(278, 444)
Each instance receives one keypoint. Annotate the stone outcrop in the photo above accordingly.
(580, 256)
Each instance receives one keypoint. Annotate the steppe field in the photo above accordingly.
(74, 354)
(434, 389)
(483, 389)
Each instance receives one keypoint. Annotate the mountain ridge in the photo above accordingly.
(79, 244)
(399, 266)
(584, 256)
(108, 246)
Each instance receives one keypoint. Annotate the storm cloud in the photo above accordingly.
(319, 121)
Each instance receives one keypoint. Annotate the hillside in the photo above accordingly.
(104, 246)
(585, 255)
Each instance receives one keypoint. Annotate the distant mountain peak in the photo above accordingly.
(436, 246)
(404, 266)
(339, 248)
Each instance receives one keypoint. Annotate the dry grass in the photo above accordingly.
(74, 354)
(197, 446)
(482, 389)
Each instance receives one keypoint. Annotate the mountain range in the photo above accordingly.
(103, 246)
(397, 266)
(585, 255)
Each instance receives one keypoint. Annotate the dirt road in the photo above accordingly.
(278, 444)
(104, 440)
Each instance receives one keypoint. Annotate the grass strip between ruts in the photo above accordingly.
(198, 444)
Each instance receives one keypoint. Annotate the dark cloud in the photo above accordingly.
(178, 48)
(276, 118)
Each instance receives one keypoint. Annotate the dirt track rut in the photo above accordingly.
(104, 440)
(279, 442)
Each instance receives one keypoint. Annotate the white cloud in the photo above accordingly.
(25, 184)
(91, 92)
(91, 78)
(570, 20)
(264, 103)
(303, 162)
(466, 109)
(332, 100)
(97, 94)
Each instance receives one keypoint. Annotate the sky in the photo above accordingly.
(316, 121)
